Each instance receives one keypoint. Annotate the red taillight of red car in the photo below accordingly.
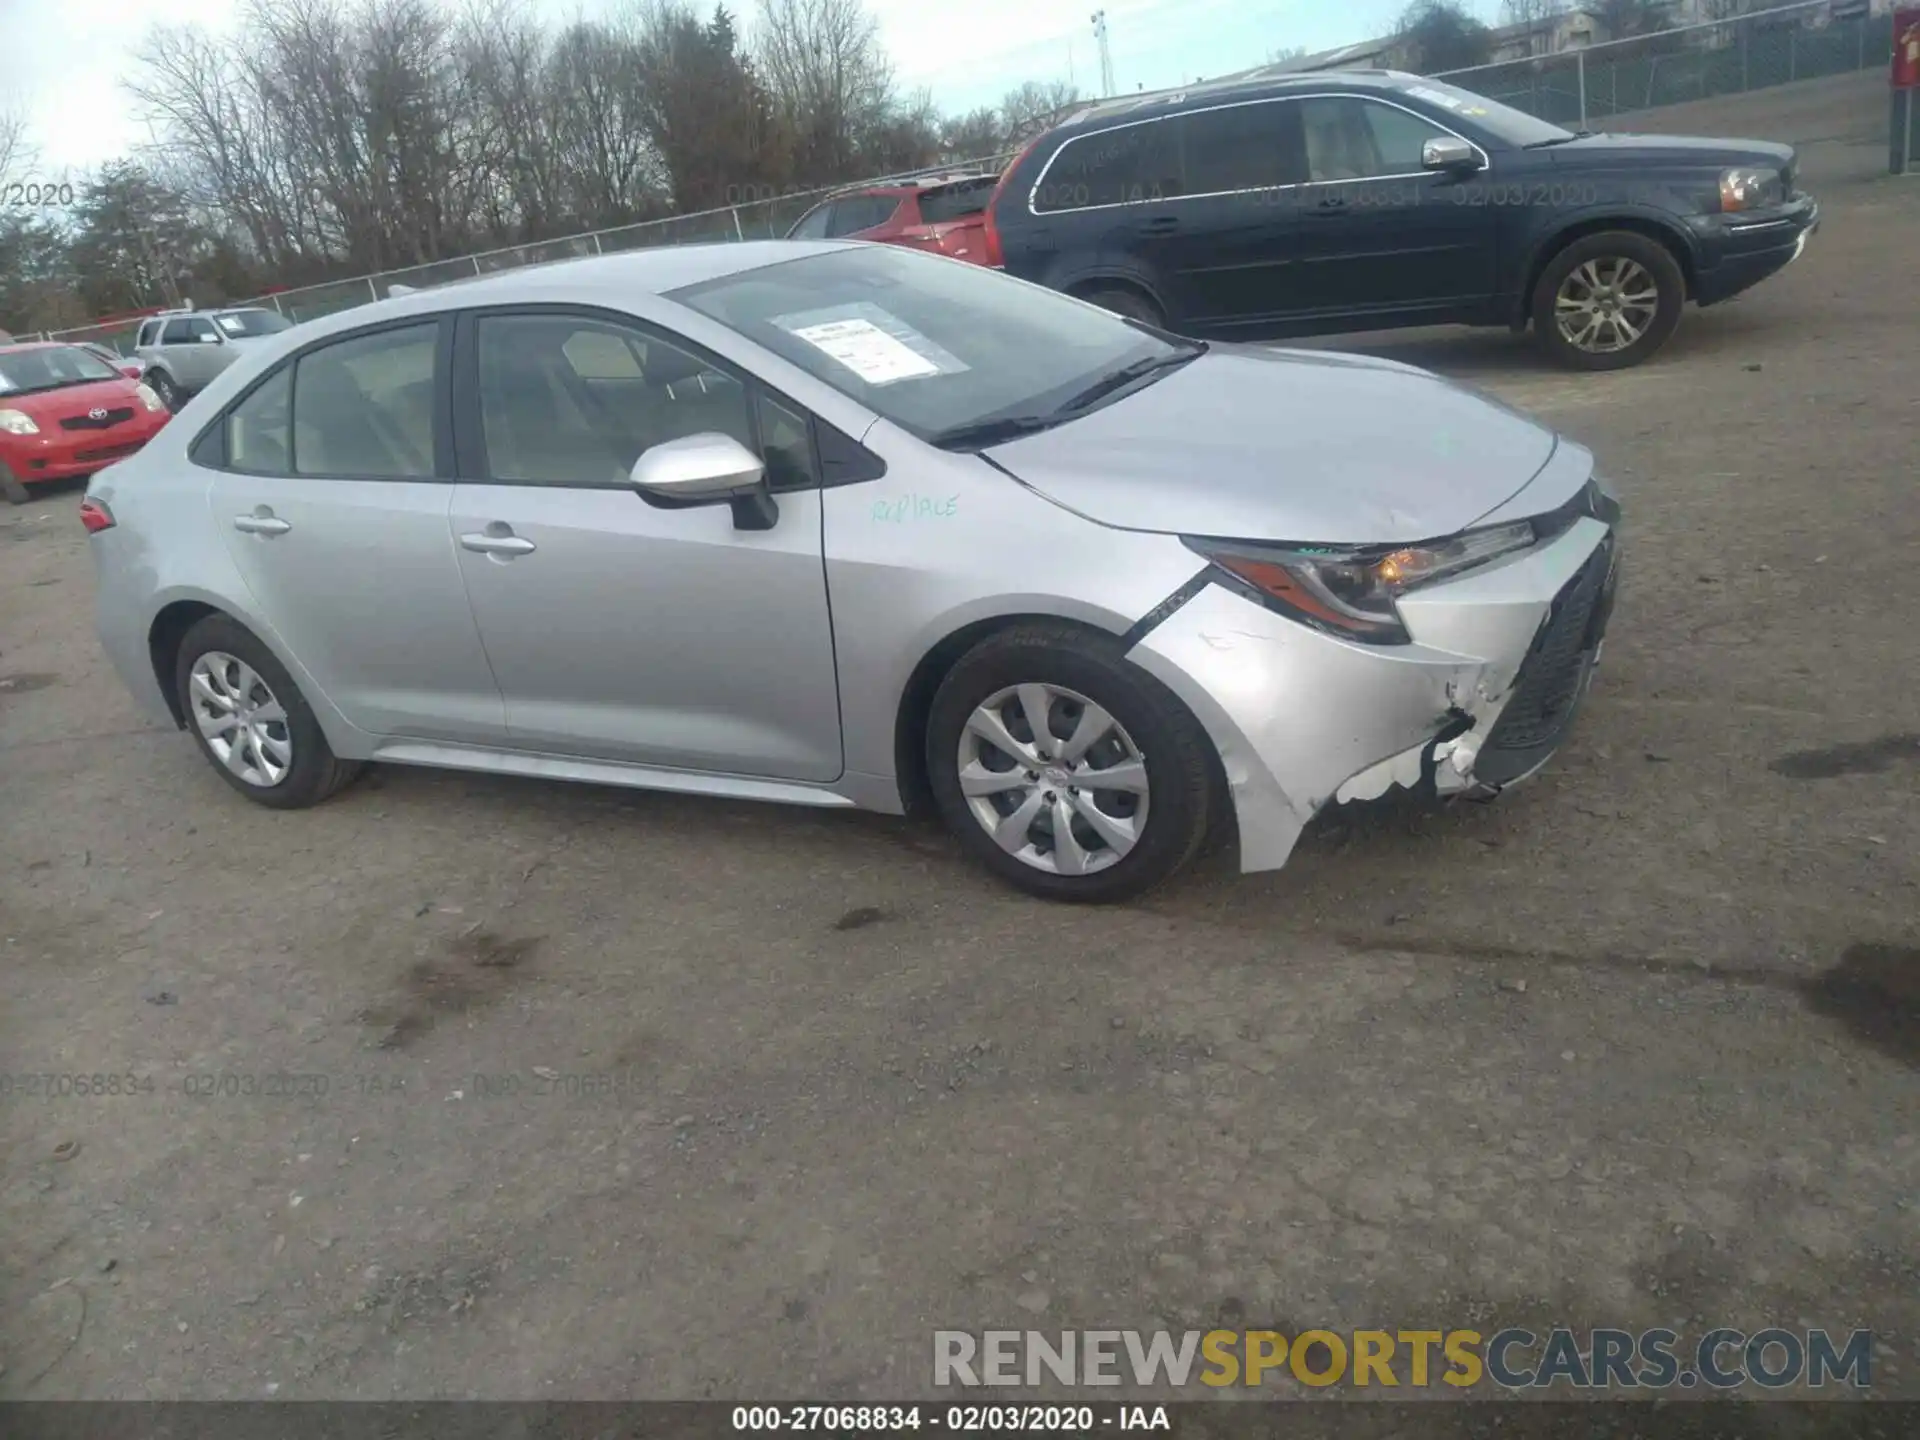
(95, 515)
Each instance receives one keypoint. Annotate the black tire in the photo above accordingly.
(162, 385)
(315, 772)
(1175, 750)
(11, 488)
(1609, 245)
(1125, 301)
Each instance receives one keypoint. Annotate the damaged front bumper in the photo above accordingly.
(1500, 660)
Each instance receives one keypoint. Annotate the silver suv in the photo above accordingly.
(184, 349)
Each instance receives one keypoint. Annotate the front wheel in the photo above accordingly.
(1127, 303)
(251, 721)
(1066, 769)
(1608, 301)
(162, 385)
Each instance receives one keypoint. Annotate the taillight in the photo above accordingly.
(95, 515)
(994, 256)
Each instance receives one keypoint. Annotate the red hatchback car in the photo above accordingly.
(947, 216)
(64, 411)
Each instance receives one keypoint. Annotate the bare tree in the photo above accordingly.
(830, 79)
(16, 151)
(1440, 35)
(1028, 109)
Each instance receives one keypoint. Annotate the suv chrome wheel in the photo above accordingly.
(243, 724)
(1606, 304)
(1054, 780)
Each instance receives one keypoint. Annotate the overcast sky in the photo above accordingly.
(64, 59)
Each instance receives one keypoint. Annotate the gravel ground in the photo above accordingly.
(1636, 1045)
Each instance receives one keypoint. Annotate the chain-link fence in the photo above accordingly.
(1573, 87)
(1693, 62)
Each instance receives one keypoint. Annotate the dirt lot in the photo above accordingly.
(1637, 1045)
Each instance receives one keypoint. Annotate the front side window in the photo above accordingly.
(195, 330)
(1353, 139)
(931, 345)
(571, 400)
(363, 408)
(861, 212)
(1112, 167)
(259, 428)
(813, 224)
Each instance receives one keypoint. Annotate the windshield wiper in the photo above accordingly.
(976, 434)
(1561, 139)
(1126, 375)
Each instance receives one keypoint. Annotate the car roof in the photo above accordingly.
(1198, 96)
(655, 271)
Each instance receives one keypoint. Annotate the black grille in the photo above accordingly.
(107, 452)
(88, 422)
(1550, 676)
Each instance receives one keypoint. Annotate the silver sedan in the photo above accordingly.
(849, 525)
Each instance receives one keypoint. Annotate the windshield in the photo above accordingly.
(1503, 122)
(28, 370)
(243, 323)
(934, 345)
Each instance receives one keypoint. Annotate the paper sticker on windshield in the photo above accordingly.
(232, 324)
(1438, 97)
(867, 350)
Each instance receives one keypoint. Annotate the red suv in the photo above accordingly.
(64, 411)
(947, 216)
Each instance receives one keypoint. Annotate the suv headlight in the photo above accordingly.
(18, 422)
(1350, 590)
(1746, 189)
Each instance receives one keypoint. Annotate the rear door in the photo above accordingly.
(1383, 233)
(194, 350)
(333, 498)
(620, 629)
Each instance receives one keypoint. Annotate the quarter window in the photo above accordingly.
(259, 438)
(558, 406)
(1112, 167)
(363, 408)
(1348, 138)
(861, 212)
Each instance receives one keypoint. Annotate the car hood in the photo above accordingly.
(50, 406)
(1293, 445)
(1671, 150)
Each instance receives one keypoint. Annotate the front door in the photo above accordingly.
(1378, 231)
(339, 527)
(618, 629)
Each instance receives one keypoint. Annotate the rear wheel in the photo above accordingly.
(1066, 769)
(1125, 301)
(251, 721)
(1608, 301)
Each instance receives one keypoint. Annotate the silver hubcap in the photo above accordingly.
(243, 724)
(1055, 780)
(1606, 304)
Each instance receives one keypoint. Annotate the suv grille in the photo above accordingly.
(87, 422)
(1550, 676)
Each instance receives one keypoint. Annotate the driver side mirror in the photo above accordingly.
(1448, 152)
(703, 468)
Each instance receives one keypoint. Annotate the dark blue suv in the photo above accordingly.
(1374, 199)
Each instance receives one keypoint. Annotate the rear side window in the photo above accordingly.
(861, 212)
(1111, 167)
(956, 202)
(259, 433)
(363, 408)
(1241, 147)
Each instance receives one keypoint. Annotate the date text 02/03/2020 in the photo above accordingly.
(952, 1419)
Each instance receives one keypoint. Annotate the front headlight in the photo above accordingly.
(1750, 190)
(18, 422)
(1350, 591)
(147, 397)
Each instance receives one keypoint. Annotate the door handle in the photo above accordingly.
(1160, 225)
(261, 522)
(501, 542)
(1332, 205)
